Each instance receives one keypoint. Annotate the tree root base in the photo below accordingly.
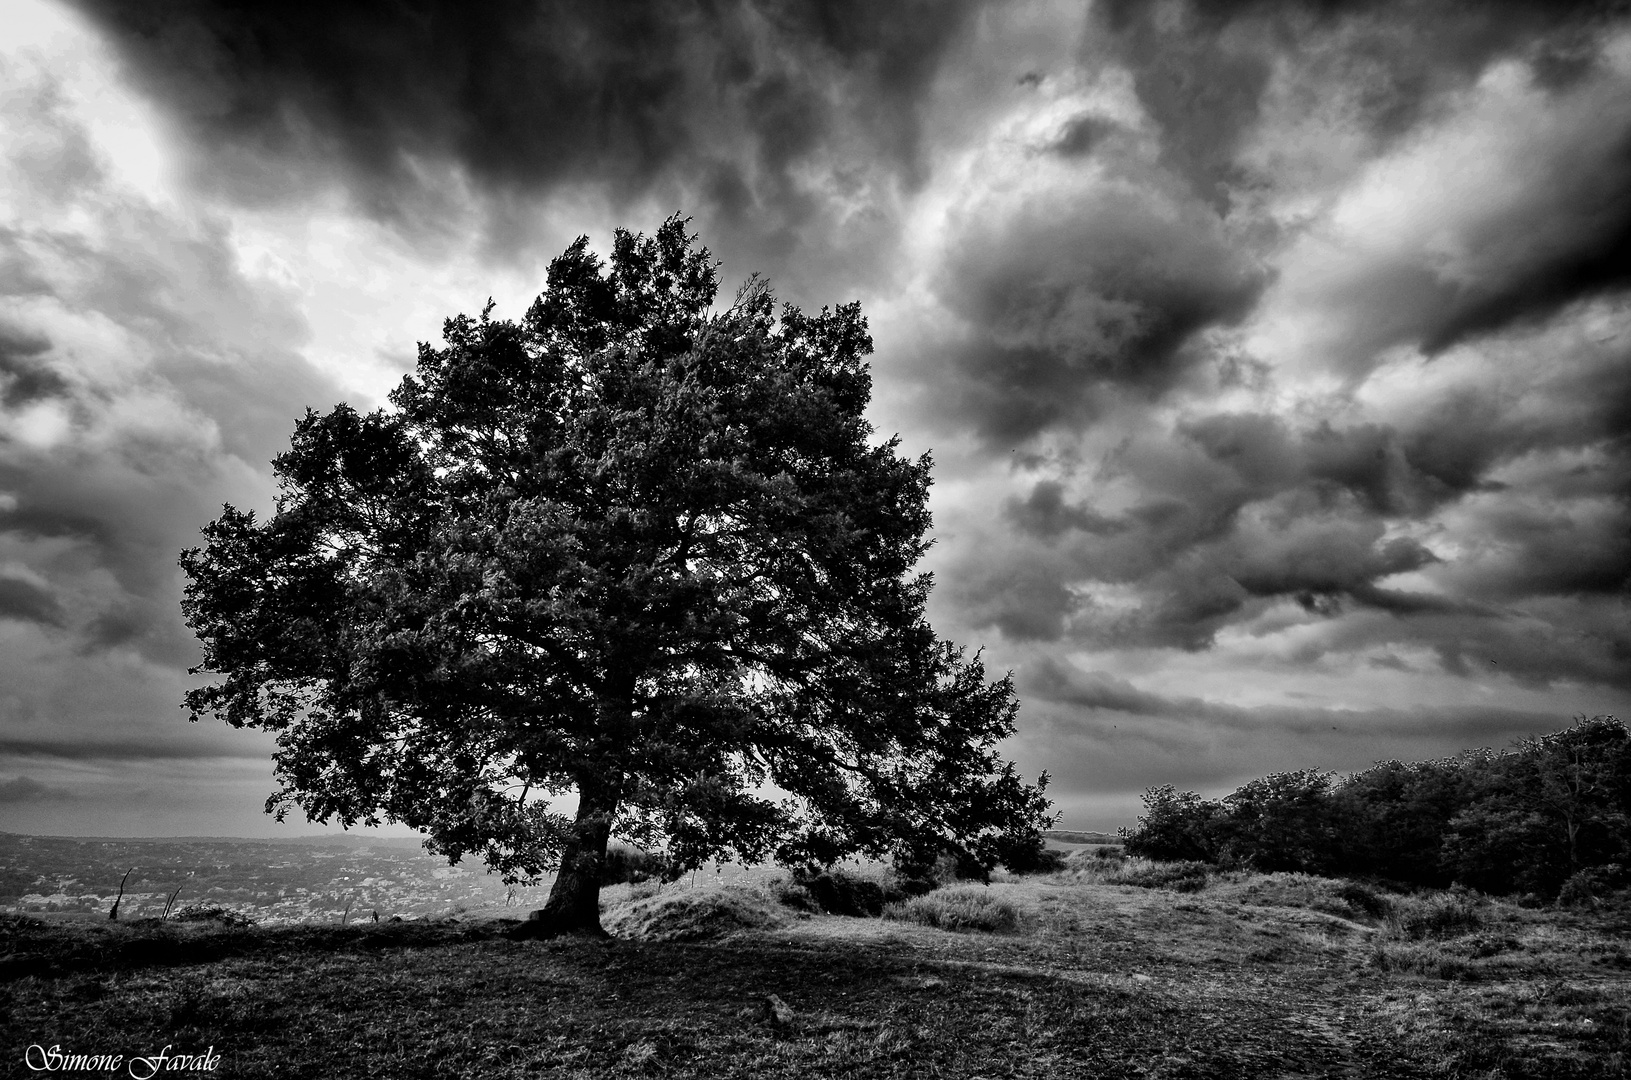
(543, 925)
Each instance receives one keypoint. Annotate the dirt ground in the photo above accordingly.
(1247, 976)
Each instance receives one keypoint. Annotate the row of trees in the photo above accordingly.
(1554, 808)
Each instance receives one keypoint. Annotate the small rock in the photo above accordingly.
(1142, 979)
(777, 1011)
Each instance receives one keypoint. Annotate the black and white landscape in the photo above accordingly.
(410, 386)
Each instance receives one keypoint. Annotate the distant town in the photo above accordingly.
(324, 879)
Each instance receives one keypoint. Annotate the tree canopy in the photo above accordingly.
(630, 547)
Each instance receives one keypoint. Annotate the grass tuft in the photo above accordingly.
(1082, 868)
(959, 907)
(1437, 915)
(213, 913)
(1177, 876)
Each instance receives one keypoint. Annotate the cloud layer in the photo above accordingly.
(1275, 356)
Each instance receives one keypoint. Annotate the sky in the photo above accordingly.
(1274, 357)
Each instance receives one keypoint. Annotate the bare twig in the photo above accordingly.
(172, 901)
(113, 914)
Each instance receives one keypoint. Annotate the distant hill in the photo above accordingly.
(1071, 836)
(346, 839)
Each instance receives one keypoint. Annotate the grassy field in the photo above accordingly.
(1113, 970)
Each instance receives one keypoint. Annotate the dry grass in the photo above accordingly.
(698, 914)
(960, 907)
(1107, 866)
(1251, 975)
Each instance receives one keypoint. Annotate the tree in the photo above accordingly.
(1176, 825)
(1285, 821)
(1397, 814)
(626, 548)
(1554, 807)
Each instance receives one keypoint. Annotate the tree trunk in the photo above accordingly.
(573, 906)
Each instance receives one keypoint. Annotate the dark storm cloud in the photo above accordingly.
(1261, 514)
(720, 106)
(1055, 681)
(1586, 250)
(1202, 73)
(27, 602)
(1074, 296)
(1408, 471)
(1240, 510)
(23, 377)
(1082, 134)
(127, 514)
(1202, 92)
(165, 369)
(1513, 203)
(25, 789)
(728, 107)
(116, 749)
(43, 518)
(1045, 514)
(126, 625)
(1096, 288)
(223, 344)
(1201, 69)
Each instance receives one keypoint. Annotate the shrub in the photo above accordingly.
(1177, 876)
(1110, 851)
(1363, 899)
(1593, 885)
(1440, 916)
(791, 894)
(915, 886)
(914, 874)
(840, 892)
(1041, 861)
(1025, 853)
(960, 907)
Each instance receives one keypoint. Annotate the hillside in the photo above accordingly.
(1109, 969)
